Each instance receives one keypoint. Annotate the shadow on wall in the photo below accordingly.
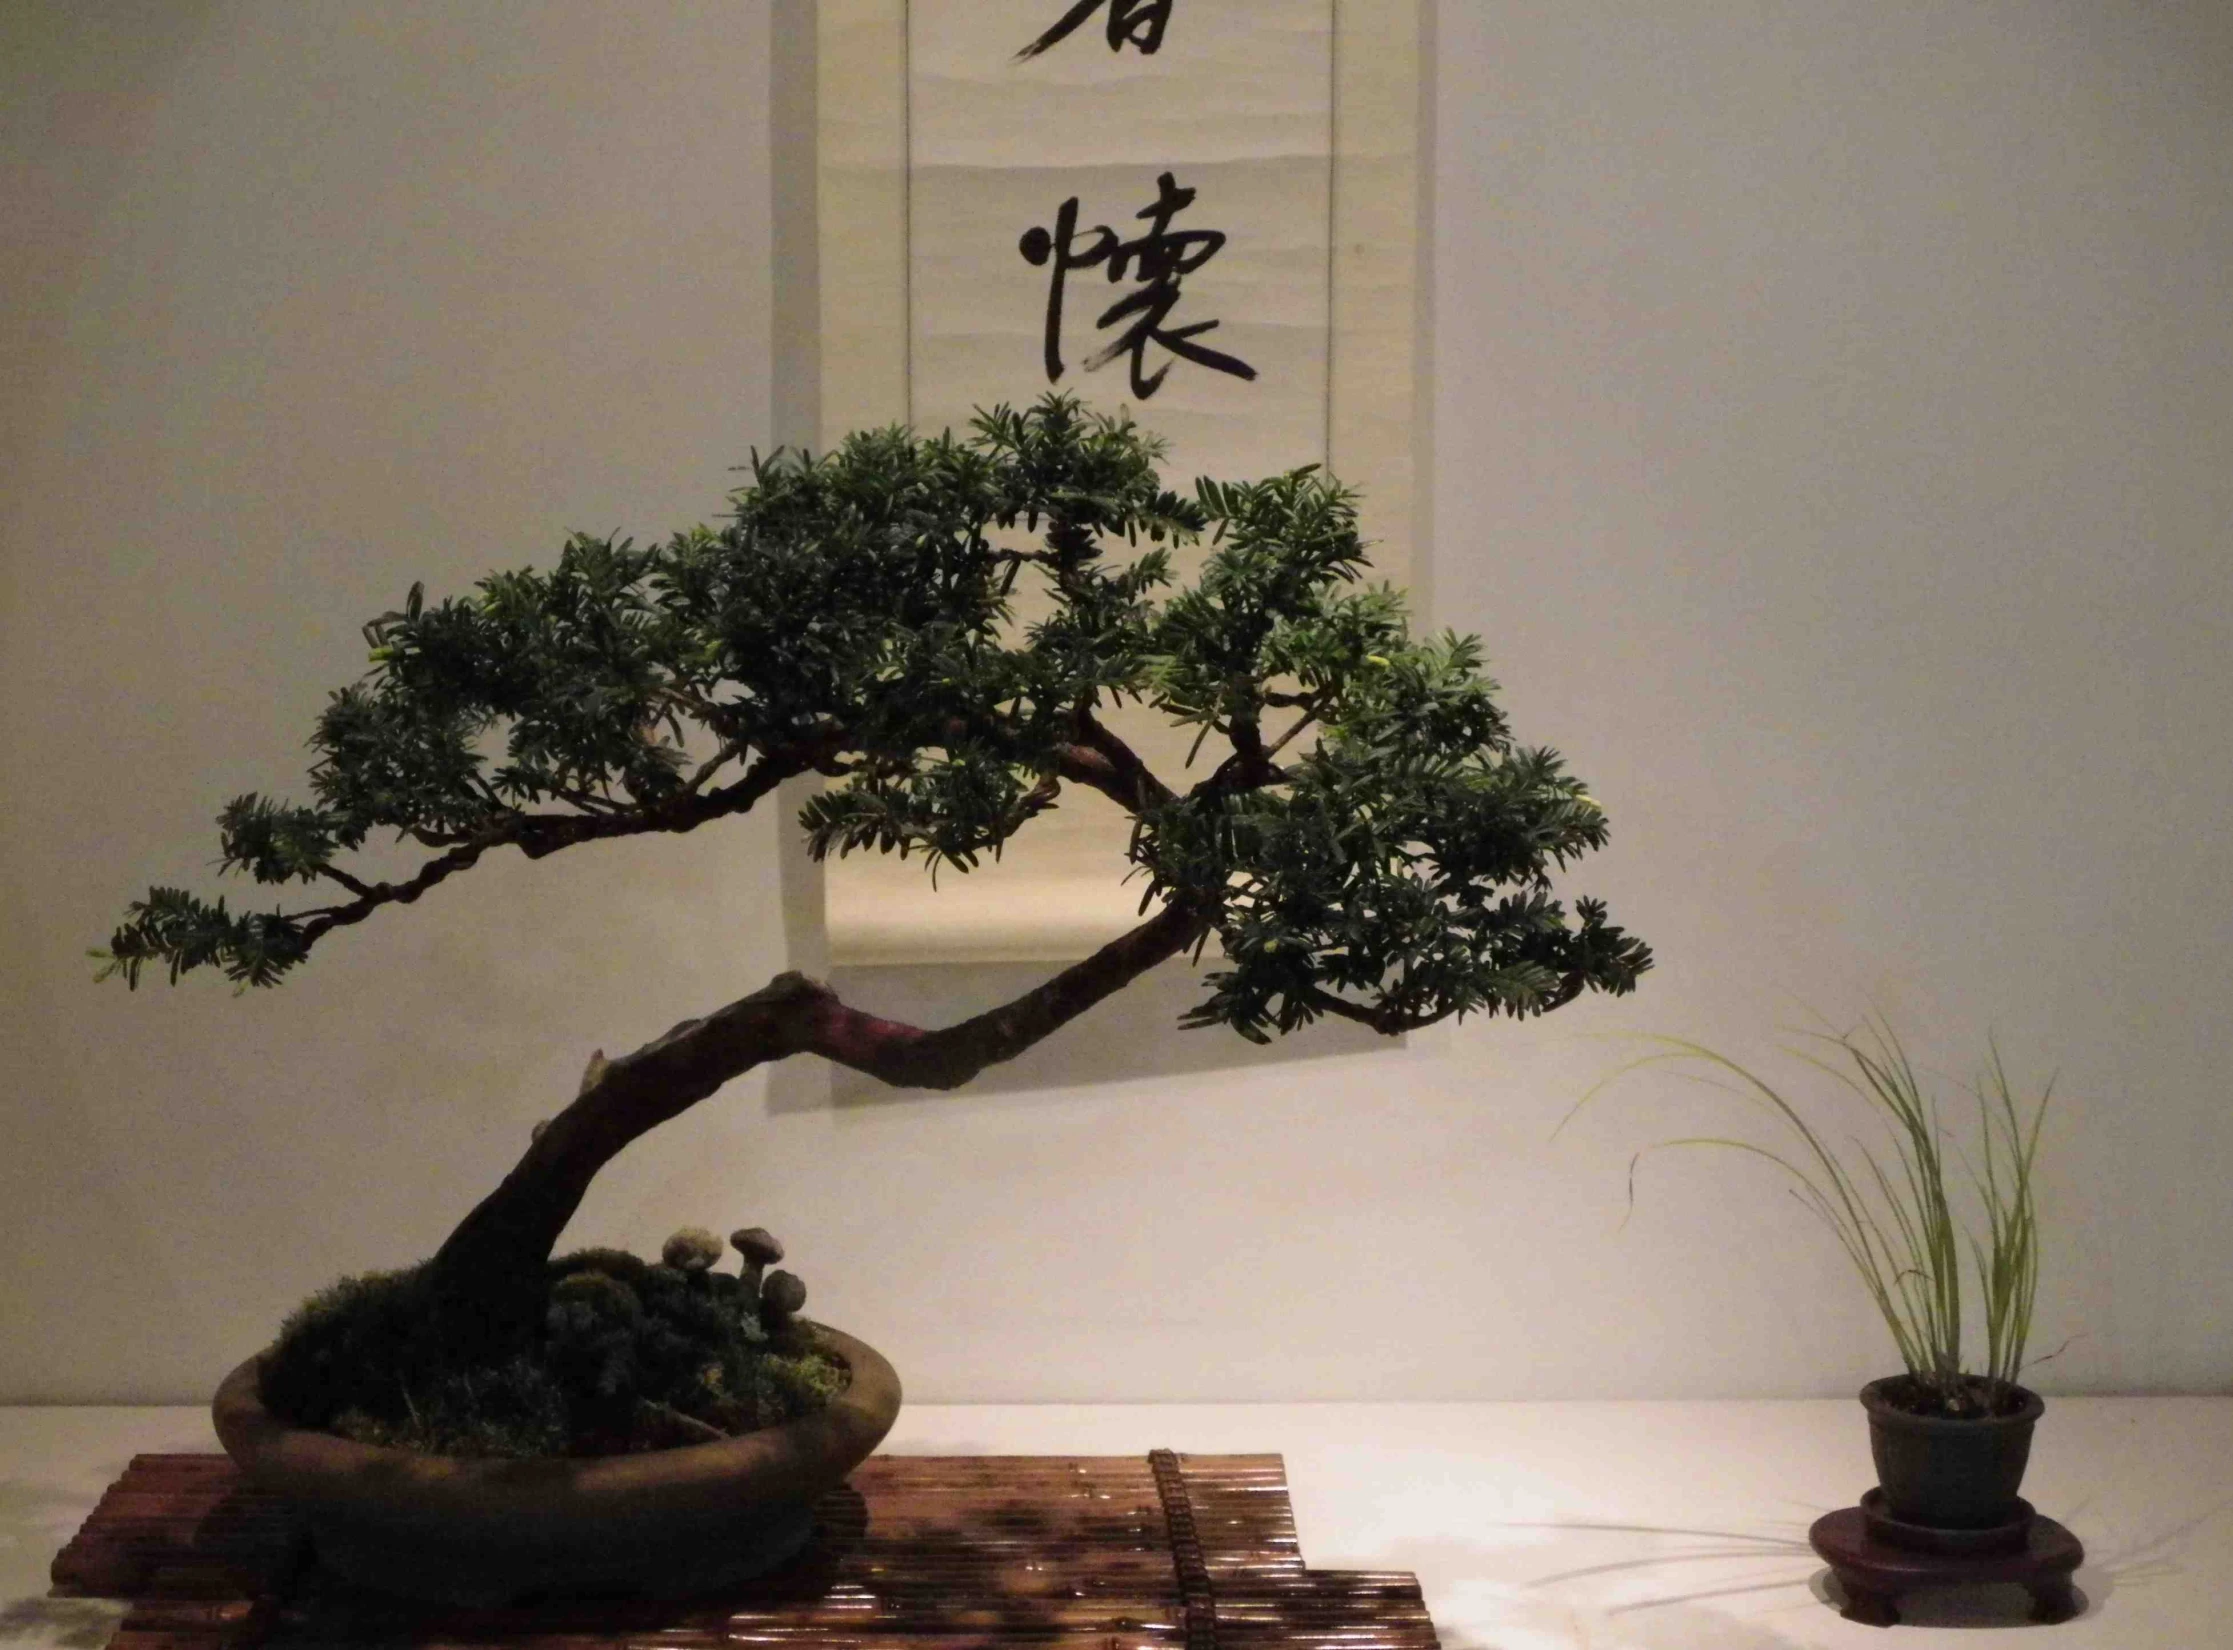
(1133, 1034)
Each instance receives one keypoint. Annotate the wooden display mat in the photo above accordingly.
(1166, 1552)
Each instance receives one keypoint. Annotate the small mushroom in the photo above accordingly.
(693, 1249)
(780, 1298)
(760, 1251)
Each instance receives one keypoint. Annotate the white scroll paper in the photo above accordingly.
(1241, 105)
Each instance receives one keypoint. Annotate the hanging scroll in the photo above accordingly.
(1201, 213)
(1138, 212)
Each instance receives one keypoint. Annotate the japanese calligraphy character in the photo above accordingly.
(1137, 23)
(1156, 259)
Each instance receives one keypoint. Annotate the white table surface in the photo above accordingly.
(1552, 1526)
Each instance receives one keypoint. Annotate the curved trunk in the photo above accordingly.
(492, 1263)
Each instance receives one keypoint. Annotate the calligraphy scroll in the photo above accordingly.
(1199, 211)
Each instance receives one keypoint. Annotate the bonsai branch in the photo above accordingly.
(707, 769)
(1383, 1020)
(1390, 1021)
(355, 885)
(536, 835)
(1311, 705)
(589, 802)
(512, 1230)
(907, 1056)
(377, 894)
(1097, 757)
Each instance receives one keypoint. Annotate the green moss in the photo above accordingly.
(626, 1355)
(614, 1263)
(351, 1347)
(795, 1385)
(515, 1409)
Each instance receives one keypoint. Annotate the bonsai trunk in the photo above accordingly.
(491, 1265)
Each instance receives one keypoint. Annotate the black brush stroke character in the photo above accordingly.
(1157, 259)
(1136, 23)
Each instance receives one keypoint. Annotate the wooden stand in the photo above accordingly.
(1878, 1560)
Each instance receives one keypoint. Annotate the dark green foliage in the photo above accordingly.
(273, 842)
(1364, 833)
(629, 1355)
(183, 932)
(1367, 876)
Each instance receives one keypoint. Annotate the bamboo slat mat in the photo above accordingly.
(1166, 1552)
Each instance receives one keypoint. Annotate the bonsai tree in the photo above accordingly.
(1363, 839)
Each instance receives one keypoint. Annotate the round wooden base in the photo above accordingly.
(1878, 1560)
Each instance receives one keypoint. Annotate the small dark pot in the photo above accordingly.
(1944, 1472)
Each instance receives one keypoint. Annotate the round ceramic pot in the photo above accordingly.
(661, 1523)
(1949, 1473)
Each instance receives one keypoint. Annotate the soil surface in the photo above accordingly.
(1974, 1399)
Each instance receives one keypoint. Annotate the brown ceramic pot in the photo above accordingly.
(662, 1523)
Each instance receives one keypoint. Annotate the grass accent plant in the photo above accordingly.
(1890, 1206)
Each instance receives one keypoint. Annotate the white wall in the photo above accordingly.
(1834, 408)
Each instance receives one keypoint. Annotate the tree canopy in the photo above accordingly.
(1367, 840)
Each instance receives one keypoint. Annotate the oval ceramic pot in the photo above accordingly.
(661, 1523)
(1945, 1472)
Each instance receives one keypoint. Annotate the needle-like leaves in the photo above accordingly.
(1893, 1208)
(1369, 840)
